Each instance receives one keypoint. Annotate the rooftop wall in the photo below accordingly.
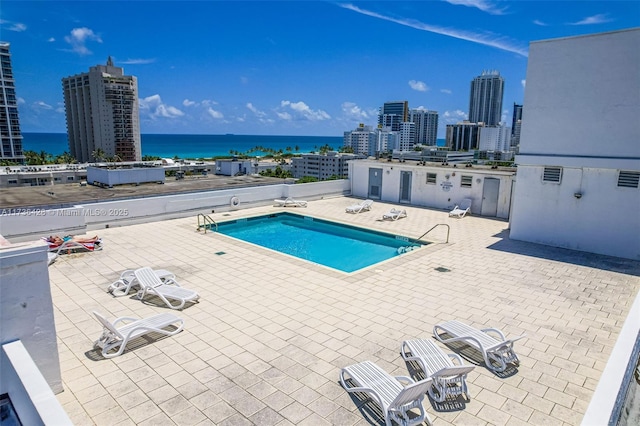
(581, 97)
(26, 308)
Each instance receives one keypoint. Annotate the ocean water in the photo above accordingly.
(195, 146)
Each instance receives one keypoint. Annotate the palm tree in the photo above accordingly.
(65, 158)
(45, 157)
(98, 154)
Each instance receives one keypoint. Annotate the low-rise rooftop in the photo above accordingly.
(268, 338)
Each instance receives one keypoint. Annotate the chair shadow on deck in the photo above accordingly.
(153, 300)
(95, 354)
(369, 409)
(474, 356)
(458, 403)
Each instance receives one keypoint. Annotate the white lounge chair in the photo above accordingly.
(290, 202)
(394, 214)
(169, 290)
(127, 281)
(395, 399)
(497, 352)
(361, 207)
(461, 210)
(117, 337)
(448, 379)
(72, 246)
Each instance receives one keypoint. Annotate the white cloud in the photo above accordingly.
(454, 116)
(255, 110)
(139, 61)
(188, 103)
(600, 18)
(540, 23)
(284, 116)
(303, 112)
(51, 40)
(353, 112)
(78, 39)
(487, 39)
(524, 83)
(447, 91)
(20, 101)
(13, 26)
(153, 107)
(483, 5)
(420, 86)
(42, 105)
(215, 114)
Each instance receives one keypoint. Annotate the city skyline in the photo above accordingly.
(219, 67)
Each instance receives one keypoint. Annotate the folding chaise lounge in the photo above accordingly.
(69, 244)
(290, 202)
(448, 379)
(167, 291)
(394, 214)
(496, 351)
(395, 399)
(116, 337)
(460, 210)
(127, 281)
(361, 207)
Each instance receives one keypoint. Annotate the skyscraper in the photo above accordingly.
(516, 124)
(103, 114)
(426, 126)
(485, 102)
(393, 114)
(11, 147)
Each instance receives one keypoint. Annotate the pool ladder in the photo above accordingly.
(205, 222)
(434, 227)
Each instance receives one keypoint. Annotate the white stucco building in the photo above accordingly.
(433, 185)
(579, 163)
(495, 138)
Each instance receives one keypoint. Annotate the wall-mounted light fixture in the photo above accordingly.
(578, 195)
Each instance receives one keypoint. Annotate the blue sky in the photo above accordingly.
(286, 67)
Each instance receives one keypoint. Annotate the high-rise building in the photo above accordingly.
(494, 138)
(362, 140)
(463, 136)
(103, 114)
(393, 114)
(516, 124)
(11, 148)
(426, 126)
(407, 136)
(485, 102)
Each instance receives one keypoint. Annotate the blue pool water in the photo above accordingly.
(327, 243)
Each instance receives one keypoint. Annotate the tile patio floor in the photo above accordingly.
(266, 342)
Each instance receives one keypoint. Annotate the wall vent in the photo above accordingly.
(552, 174)
(628, 179)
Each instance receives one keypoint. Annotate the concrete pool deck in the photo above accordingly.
(266, 342)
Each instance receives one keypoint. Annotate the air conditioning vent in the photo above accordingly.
(628, 179)
(552, 174)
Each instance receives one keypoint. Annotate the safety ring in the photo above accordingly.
(235, 201)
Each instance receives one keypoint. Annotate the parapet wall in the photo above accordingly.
(28, 224)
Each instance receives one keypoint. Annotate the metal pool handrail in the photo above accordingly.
(206, 223)
(434, 227)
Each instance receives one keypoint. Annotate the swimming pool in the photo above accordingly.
(331, 244)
